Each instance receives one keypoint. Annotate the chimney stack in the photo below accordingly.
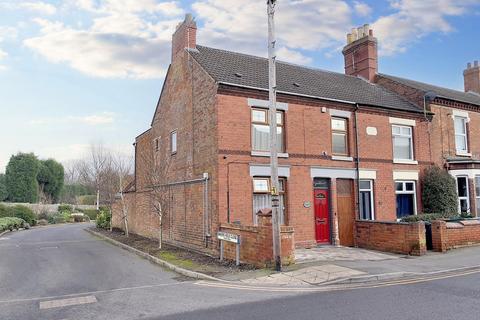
(471, 77)
(361, 54)
(185, 36)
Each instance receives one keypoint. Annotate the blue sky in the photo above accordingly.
(76, 72)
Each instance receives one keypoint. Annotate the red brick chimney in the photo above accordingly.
(361, 54)
(471, 77)
(185, 36)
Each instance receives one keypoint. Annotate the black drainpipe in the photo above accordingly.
(357, 162)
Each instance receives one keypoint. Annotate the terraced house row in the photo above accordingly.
(352, 146)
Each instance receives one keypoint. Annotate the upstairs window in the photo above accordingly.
(402, 142)
(339, 137)
(461, 139)
(261, 130)
(173, 142)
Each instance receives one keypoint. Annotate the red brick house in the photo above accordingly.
(352, 146)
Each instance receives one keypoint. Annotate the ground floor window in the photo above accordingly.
(366, 200)
(463, 194)
(477, 194)
(406, 198)
(262, 197)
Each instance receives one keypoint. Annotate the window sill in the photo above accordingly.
(267, 154)
(342, 158)
(404, 161)
(464, 154)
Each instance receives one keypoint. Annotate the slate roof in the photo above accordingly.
(245, 70)
(466, 97)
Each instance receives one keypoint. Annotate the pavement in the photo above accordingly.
(63, 272)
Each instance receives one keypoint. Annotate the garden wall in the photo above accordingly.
(450, 235)
(394, 237)
(256, 243)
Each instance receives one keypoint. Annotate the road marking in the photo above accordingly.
(333, 287)
(92, 292)
(60, 303)
(47, 248)
(4, 238)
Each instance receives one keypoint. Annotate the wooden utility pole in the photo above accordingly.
(272, 86)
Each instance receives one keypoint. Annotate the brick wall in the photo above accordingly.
(395, 237)
(450, 235)
(256, 243)
(308, 144)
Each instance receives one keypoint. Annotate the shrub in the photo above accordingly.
(24, 213)
(439, 194)
(3, 188)
(4, 211)
(103, 220)
(91, 213)
(10, 223)
(65, 208)
(21, 178)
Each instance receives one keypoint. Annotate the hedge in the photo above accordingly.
(18, 211)
(10, 223)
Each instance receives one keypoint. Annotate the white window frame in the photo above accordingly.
(467, 197)
(405, 191)
(410, 136)
(372, 198)
(280, 119)
(173, 142)
(463, 135)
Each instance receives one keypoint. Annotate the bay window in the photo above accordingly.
(262, 196)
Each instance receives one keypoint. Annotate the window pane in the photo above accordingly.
(406, 131)
(463, 205)
(365, 205)
(339, 124)
(460, 125)
(260, 185)
(402, 148)
(477, 186)
(262, 201)
(339, 143)
(280, 146)
(279, 118)
(398, 186)
(365, 184)
(259, 116)
(173, 137)
(462, 187)
(409, 186)
(395, 130)
(405, 205)
(260, 137)
(460, 143)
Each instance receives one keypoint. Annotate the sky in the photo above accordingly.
(77, 72)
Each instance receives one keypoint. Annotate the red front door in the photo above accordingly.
(322, 223)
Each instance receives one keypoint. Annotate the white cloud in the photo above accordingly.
(302, 24)
(103, 118)
(362, 9)
(415, 19)
(40, 7)
(286, 54)
(126, 39)
(5, 33)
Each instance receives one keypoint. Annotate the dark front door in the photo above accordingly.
(322, 215)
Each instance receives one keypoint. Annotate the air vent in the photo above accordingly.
(296, 84)
(238, 75)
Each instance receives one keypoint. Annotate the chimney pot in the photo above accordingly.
(469, 65)
(471, 77)
(475, 63)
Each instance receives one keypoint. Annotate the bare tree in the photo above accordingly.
(157, 166)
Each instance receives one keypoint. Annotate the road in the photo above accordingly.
(43, 270)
